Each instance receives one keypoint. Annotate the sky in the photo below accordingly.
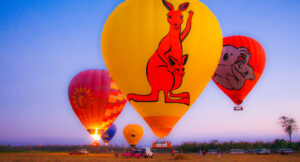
(44, 44)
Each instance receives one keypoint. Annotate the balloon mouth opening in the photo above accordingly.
(96, 136)
(238, 102)
(161, 126)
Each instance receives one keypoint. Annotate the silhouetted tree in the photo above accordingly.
(289, 126)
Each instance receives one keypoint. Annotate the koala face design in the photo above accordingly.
(234, 68)
(229, 55)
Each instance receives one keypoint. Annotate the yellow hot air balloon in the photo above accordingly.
(133, 133)
(161, 54)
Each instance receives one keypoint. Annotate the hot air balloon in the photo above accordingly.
(161, 64)
(109, 134)
(133, 133)
(96, 101)
(116, 103)
(241, 65)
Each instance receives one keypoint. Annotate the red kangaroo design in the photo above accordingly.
(165, 68)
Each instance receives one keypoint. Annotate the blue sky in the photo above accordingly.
(43, 44)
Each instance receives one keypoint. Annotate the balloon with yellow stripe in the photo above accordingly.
(161, 54)
(116, 103)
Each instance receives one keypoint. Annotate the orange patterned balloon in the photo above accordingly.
(96, 100)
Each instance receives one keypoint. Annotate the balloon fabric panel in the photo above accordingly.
(88, 92)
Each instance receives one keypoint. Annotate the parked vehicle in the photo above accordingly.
(263, 151)
(284, 151)
(251, 151)
(148, 152)
(127, 154)
(79, 152)
(236, 151)
(140, 152)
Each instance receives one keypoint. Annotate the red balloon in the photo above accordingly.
(241, 65)
(96, 100)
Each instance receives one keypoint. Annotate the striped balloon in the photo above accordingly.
(116, 103)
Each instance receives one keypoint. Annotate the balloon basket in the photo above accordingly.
(95, 143)
(238, 108)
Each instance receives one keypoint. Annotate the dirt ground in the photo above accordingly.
(65, 157)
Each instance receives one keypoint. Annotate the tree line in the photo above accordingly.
(187, 147)
(61, 148)
(226, 146)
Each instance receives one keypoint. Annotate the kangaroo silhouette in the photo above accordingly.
(165, 68)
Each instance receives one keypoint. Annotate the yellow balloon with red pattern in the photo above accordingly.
(161, 54)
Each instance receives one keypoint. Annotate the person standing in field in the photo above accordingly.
(219, 153)
(204, 153)
(172, 152)
(200, 153)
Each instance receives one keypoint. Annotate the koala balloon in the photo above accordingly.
(234, 68)
(241, 65)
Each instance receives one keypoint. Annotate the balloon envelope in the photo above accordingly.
(95, 100)
(241, 65)
(133, 133)
(109, 133)
(159, 66)
(116, 103)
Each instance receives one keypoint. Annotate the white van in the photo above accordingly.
(148, 152)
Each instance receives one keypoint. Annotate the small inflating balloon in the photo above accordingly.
(161, 54)
(241, 65)
(96, 100)
(133, 133)
(109, 134)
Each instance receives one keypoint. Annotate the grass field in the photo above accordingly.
(64, 157)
